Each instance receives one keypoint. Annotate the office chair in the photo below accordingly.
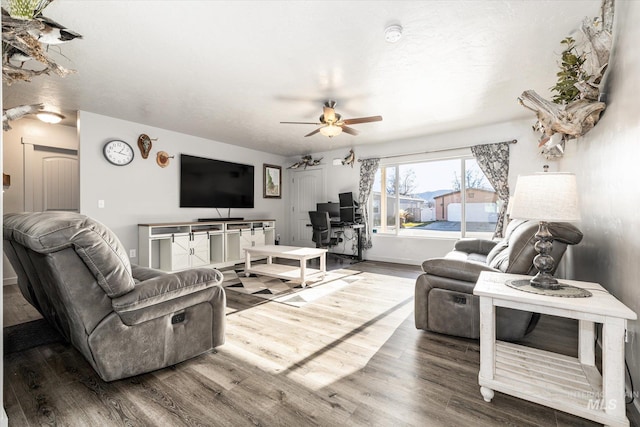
(322, 229)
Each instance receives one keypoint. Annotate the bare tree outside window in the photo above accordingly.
(407, 184)
(474, 178)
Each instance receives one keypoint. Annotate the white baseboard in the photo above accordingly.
(4, 421)
(10, 281)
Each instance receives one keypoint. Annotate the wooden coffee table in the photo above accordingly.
(281, 271)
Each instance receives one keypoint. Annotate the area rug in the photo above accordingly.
(25, 336)
(287, 291)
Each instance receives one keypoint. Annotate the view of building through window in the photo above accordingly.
(425, 199)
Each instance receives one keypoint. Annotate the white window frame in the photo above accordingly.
(463, 155)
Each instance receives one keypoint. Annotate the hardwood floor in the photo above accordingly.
(351, 358)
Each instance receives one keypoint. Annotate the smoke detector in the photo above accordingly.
(393, 33)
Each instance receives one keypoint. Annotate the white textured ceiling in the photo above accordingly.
(230, 71)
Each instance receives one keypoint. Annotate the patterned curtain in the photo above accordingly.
(368, 170)
(493, 159)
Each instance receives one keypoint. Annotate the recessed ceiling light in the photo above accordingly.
(49, 117)
(393, 33)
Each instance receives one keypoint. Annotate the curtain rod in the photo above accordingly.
(513, 141)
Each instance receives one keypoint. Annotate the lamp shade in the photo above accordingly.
(546, 197)
(331, 130)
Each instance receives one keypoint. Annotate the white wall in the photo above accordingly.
(412, 250)
(143, 192)
(33, 132)
(606, 162)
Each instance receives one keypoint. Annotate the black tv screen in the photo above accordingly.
(209, 183)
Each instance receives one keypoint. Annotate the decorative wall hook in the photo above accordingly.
(162, 159)
(144, 143)
(351, 157)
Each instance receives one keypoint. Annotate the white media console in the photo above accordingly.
(180, 245)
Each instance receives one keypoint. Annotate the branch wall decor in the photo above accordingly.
(577, 105)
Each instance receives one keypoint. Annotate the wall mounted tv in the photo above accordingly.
(209, 183)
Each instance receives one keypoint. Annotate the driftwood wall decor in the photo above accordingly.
(22, 42)
(26, 34)
(573, 113)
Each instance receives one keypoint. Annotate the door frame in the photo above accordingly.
(28, 150)
(291, 208)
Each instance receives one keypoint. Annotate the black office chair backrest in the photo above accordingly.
(321, 228)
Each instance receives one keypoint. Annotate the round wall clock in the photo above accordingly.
(118, 152)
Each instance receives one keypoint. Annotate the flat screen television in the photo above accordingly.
(210, 183)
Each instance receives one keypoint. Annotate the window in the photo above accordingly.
(426, 199)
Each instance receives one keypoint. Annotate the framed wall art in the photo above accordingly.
(272, 182)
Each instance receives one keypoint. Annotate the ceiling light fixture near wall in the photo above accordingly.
(49, 117)
(393, 33)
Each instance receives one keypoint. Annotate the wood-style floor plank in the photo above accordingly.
(350, 358)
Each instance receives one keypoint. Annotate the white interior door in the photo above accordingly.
(51, 179)
(307, 189)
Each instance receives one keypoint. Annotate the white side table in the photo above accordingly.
(568, 384)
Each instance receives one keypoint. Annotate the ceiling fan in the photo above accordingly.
(331, 123)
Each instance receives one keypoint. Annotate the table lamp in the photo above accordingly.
(545, 197)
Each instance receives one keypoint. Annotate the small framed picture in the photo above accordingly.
(272, 182)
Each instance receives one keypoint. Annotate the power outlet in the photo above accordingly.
(628, 336)
(132, 253)
(101, 204)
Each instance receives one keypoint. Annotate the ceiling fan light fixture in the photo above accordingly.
(49, 117)
(331, 130)
(393, 33)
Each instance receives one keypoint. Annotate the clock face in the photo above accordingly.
(118, 152)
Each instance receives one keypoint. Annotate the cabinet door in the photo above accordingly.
(246, 240)
(258, 237)
(200, 250)
(180, 249)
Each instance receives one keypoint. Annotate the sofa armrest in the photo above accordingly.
(168, 293)
(475, 246)
(140, 274)
(467, 271)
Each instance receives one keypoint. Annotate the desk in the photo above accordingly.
(568, 384)
(355, 226)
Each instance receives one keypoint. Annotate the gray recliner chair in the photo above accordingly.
(444, 300)
(125, 320)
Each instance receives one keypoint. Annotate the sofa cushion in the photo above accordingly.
(99, 248)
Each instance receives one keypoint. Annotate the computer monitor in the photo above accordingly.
(346, 200)
(332, 208)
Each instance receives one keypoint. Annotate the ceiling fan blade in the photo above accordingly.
(350, 131)
(300, 123)
(313, 133)
(329, 114)
(362, 120)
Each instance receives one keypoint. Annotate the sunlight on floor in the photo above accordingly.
(318, 358)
